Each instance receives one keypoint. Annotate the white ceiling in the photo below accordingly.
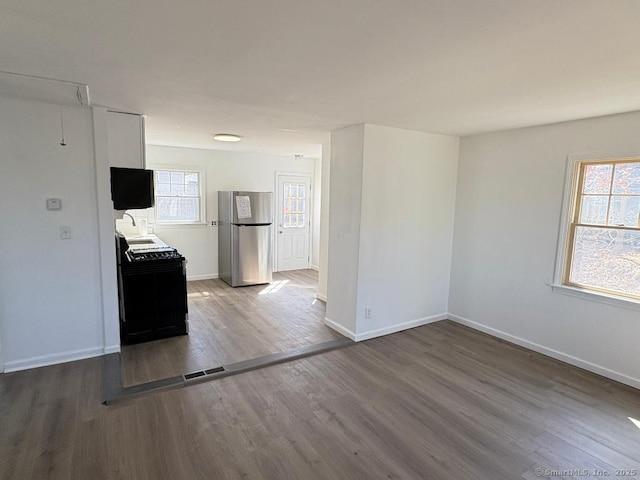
(285, 73)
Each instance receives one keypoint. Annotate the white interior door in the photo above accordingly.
(294, 222)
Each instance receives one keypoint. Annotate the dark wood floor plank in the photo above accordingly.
(439, 402)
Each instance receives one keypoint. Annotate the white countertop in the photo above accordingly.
(150, 243)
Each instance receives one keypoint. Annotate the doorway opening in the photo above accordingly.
(231, 326)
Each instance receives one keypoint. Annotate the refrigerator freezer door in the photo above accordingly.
(251, 263)
(252, 207)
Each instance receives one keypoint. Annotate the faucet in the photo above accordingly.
(133, 220)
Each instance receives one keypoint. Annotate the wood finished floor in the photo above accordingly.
(436, 402)
(232, 324)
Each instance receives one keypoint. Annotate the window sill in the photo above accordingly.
(598, 297)
(178, 225)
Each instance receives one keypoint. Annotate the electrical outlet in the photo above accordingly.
(65, 232)
(214, 223)
(368, 312)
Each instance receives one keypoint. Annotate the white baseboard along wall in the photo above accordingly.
(64, 357)
(383, 331)
(563, 357)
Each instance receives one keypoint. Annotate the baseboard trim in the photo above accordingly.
(339, 328)
(46, 360)
(319, 296)
(207, 276)
(380, 332)
(563, 357)
(112, 349)
(314, 267)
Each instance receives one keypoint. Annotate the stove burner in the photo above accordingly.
(149, 256)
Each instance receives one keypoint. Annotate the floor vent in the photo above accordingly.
(211, 371)
(114, 391)
(214, 370)
(189, 376)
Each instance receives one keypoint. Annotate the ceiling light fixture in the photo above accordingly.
(227, 137)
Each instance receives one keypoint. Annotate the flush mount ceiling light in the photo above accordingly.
(227, 137)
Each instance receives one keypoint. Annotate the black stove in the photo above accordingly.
(152, 291)
(147, 256)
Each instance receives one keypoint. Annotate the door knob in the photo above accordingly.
(280, 231)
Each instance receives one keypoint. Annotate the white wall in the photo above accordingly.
(406, 227)
(347, 146)
(509, 198)
(317, 201)
(50, 297)
(223, 171)
(323, 263)
(391, 227)
(118, 142)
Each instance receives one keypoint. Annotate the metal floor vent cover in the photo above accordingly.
(201, 373)
(214, 370)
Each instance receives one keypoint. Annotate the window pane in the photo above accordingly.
(607, 258)
(191, 189)
(178, 209)
(163, 177)
(624, 211)
(163, 189)
(177, 189)
(294, 205)
(177, 196)
(626, 179)
(594, 209)
(597, 178)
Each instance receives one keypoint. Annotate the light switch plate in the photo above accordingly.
(54, 204)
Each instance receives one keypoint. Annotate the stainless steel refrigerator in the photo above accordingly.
(245, 222)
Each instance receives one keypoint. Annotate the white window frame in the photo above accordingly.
(572, 176)
(201, 194)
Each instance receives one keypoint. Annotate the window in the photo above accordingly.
(295, 205)
(603, 235)
(178, 196)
